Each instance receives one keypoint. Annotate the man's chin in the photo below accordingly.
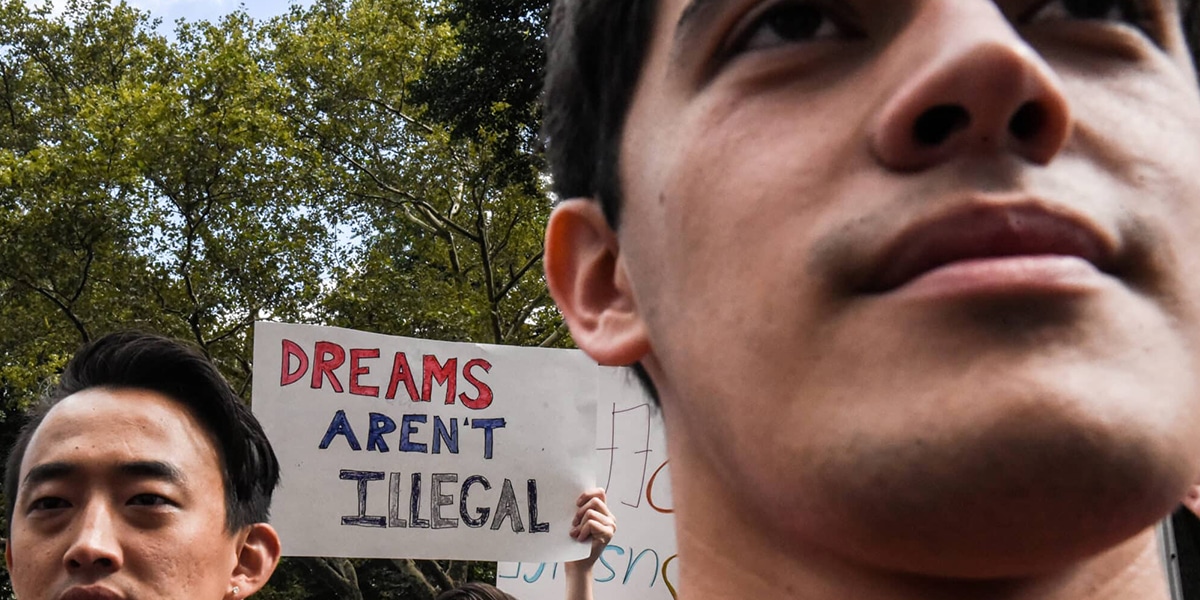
(1015, 499)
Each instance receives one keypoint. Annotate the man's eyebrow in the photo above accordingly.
(141, 469)
(152, 469)
(48, 472)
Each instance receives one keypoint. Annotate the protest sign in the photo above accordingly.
(396, 447)
(631, 460)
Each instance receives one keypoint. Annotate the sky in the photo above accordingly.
(192, 10)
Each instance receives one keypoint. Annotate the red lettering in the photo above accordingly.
(357, 354)
(286, 375)
(327, 356)
(484, 399)
(402, 372)
(446, 375)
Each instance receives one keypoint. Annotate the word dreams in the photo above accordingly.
(328, 357)
(507, 505)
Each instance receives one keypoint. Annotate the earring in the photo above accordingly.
(236, 589)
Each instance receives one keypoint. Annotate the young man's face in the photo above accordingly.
(121, 496)
(918, 280)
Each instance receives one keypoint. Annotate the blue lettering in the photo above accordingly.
(612, 573)
(537, 575)
(380, 425)
(362, 519)
(440, 434)
(406, 429)
(487, 425)
(340, 426)
(634, 561)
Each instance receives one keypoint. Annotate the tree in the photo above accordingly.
(68, 200)
(161, 172)
(143, 185)
(491, 88)
(452, 234)
(320, 167)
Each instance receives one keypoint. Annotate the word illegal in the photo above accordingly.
(507, 506)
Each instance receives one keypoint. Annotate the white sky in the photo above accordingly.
(192, 10)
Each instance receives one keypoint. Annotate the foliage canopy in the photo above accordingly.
(363, 163)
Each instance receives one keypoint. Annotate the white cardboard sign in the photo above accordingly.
(396, 447)
(631, 460)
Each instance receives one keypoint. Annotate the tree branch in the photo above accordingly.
(66, 309)
(533, 260)
(338, 574)
(524, 314)
(409, 569)
(409, 198)
(553, 338)
(441, 579)
(399, 113)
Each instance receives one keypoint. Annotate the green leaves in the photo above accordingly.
(364, 163)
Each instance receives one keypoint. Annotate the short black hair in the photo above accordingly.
(144, 361)
(596, 52)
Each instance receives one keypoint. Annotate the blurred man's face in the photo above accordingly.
(120, 497)
(919, 279)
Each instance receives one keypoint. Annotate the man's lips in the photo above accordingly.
(988, 232)
(90, 592)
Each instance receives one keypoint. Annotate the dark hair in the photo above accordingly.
(134, 360)
(1189, 15)
(475, 591)
(596, 52)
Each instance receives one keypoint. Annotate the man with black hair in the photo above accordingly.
(142, 475)
(916, 282)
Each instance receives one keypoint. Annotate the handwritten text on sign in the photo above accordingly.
(630, 451)
(395, 447)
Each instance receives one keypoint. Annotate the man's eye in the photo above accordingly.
(48, 503)
(785, 24)
(149, 500)
(1135, 12)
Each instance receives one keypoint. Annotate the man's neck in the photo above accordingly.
(732, 566)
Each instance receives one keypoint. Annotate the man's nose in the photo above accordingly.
(96, 545)
(979, 89)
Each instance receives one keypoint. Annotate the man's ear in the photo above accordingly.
(1192, 500)
(586, 274)
(257, 558)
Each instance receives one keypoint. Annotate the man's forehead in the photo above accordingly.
(98, 409)
(127, 424)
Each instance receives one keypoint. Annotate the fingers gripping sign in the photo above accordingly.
(595, 522)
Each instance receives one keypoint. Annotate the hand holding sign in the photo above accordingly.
(595, 522)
